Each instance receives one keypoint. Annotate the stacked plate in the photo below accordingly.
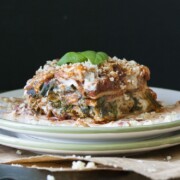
(91, 140)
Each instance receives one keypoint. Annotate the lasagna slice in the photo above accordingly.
(105, 92)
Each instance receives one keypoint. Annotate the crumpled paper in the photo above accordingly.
(159, 164)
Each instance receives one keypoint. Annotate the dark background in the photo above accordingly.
(32, 32)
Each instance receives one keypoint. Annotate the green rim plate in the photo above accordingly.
(96, 148)
(7, 124)
(168, 95)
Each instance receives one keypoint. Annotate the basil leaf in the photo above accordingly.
(89, 55)
(99, 58)
(75, 57)
(71, 57)
(95, 57)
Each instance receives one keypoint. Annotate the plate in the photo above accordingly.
(95, 133)
(91, 140)
(103, 148)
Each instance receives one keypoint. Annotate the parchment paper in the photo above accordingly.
(159, 164)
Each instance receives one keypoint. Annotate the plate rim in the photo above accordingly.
(10, 124)
(13, 125)
(103, 147)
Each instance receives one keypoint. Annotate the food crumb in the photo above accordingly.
(19, 152)
(78, 165)
(18, 165)
(50, 177)
(115, 166)
(91, 165)
(111, 79)
(168, 158)
(79, 156)
(87, 157)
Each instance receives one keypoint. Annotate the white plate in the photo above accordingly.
(95, 133)
(10, 139)
(91, 140)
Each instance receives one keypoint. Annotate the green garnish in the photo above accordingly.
(71, 57)
(75, 57)
(95, 57)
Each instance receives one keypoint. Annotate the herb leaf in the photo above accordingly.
(89, 55)
(71, 57)
(75, 57)
(100, 58)
(95, 57)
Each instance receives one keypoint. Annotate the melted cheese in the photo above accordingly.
(69, 82)
(89, 81)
